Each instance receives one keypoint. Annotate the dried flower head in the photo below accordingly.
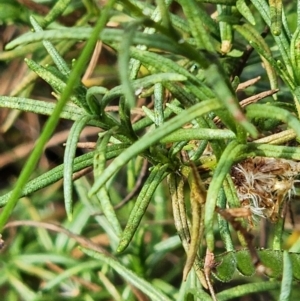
(263, 184)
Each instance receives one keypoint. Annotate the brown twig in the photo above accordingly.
(248, 83)
(77, 175)
(137, 187)
(85, 242)
(252, 99)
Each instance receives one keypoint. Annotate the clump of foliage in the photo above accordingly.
(198, 124)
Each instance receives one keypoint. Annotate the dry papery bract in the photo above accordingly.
(263, 184)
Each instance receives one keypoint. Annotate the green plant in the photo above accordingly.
(190, 69)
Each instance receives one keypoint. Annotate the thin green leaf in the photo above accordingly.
(295, 54)
(250, 33)
(158, 104)
(58, 8)
(276, 16)
(56, 57)
(197, 134)
(281, 40)
(245, 11)
(226, 2)
(134, 65)
(198, 28)
(226, 33)
(157, 63)
(287, 278)
(200, 295)
(102, 195)
(230, 153)
(267, 111)
(82, 186)
(70, 152)
(108, 36)
(55, 82)
(92, 96)
(157, 174)
(223, 224)
(246, 289)
(276, 151)
(123, 61)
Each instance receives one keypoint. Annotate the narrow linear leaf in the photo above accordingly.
(266, 111)
(280, 40)
(56, 83)
(176, 184)
(225, 195)
(232, 150)
(287, 278)
(123, 61)
(134, 65)
(156, 176)
(276, 16)
(198, 28)
(225, 28)
(56, 57)
(158, 104)
(256, 40)
(226, 2)
(197, 134)
(295, 54)
(245, 11)
(108, 36)
(246, 289)
(70, 152)
(58, 8)
(276, 151)
(92, 96)
(103, 196)
(41, 107)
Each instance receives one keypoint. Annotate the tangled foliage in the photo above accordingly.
(199, 124)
